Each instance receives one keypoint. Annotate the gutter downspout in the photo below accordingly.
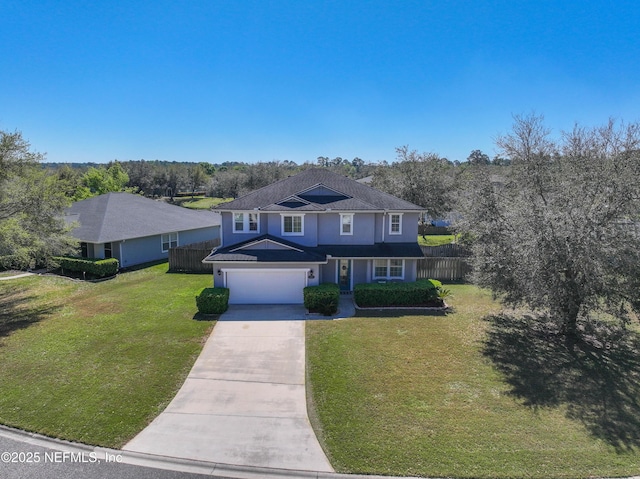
(384, 216)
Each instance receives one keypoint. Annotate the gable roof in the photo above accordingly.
(349, 195)
(122, 216)
(289, 253)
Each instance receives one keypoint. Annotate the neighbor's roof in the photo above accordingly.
(122, 216)
(296, 193)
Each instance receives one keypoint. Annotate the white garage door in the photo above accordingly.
(266, 286)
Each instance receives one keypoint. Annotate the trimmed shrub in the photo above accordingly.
(323, 298)
(419, 293)
(213, 300)
(99, 268)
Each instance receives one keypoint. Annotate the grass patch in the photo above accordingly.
(435, 240)
(95, 363)
(200, 202)
(420, 395)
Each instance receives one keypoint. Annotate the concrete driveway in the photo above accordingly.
(243, 402)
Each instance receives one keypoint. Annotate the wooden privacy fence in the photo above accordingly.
(444, 263)
(443, 269)
(445, 251)
(188, 258)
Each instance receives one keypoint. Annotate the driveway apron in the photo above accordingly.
(243, 402)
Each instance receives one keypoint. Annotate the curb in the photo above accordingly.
(212, 469)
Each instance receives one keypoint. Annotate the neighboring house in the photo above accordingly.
(314, 227)
(135, 229)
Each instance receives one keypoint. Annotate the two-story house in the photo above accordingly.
(311, 228)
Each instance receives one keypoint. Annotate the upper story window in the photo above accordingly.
(395, 224)
(292, 225)
(346, 224)
(246, 222)
(169, 240)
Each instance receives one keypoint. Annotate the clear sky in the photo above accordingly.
(226, 80)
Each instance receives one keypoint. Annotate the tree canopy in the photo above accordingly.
(32, 228)
(558, 230)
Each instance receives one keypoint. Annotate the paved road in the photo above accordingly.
(30, 461)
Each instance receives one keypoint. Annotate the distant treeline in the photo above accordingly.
(426, 179)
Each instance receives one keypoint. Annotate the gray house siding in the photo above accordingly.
(328, 272)
(409, 229)
(310, 228)
(198, 235)
(142, 250)
(329, 227)
(359, 268)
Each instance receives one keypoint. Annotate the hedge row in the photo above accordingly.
(323, 298)
(213, 300)
(99, 268)
(421, 292)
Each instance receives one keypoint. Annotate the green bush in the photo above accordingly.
(323, 298)
(213, 300)
(15, 261)
(374, 295)
(100, 268)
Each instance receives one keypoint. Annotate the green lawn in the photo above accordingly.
(415, 395)
(95, 362)
(200, 202)
(435, 240)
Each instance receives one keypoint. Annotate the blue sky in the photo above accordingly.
(293, 80)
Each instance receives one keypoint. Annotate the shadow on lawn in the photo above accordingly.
(598, 378)
(18, 311)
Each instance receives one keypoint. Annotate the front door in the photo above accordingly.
(344, 274)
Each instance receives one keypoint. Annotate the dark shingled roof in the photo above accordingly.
(377, 250)
(351, 195)
(295, 254)
(305, 254)
(122, 216)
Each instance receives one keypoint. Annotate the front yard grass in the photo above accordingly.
(414, 395)
(96, 362)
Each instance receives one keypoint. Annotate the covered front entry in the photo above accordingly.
(266, 286)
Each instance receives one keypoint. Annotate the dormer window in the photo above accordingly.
(395, 224)
(346, 223)
(246, 222)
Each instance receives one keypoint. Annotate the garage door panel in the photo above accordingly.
(266, 286)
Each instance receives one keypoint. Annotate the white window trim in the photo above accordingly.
(245, 221)
(342, 233)
(162, 241)
(391, 232)
(286, 215)
(387, 276)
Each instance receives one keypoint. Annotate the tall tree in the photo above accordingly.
(32, 228)
(425, 179)
(557, 230)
